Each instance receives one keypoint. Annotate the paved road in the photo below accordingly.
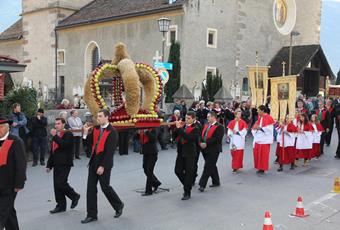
(240, 203)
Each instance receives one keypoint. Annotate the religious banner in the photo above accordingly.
(2, 86)
(283, 97)
(333, 91)
(258, 82)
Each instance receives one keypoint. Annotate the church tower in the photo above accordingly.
(308, 21)
(39, 18)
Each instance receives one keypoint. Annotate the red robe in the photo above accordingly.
(316, 146)
(261, 150)
(286, 154)
(305, 153)
(237, 154)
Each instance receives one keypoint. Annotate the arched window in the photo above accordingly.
(92, 56)
(245, 86)
(95, 58)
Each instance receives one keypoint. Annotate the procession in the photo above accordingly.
(167, 151)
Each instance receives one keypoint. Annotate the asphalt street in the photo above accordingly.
(239, 204)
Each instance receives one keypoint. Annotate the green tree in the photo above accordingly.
(175, 74)
(25, 96)
(212, 84)
(338, 79)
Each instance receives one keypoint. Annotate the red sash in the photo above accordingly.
(55, 145)
(143, 138)
(210, 132)
(188, 129)
(4, 151)
(101, 144)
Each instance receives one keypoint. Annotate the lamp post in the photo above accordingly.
(292, 34)
(163, 25)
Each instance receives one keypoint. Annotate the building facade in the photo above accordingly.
(62, 44)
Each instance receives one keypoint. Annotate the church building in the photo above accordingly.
(61, 42)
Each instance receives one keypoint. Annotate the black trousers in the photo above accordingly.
(62, 189)
(328, 137)
(322, 142)
(8, 215)
(185, 169)
(39, 144)
(110, 194)
(210, 169)
(149, 162)
(76, 146)
(197, 157)
(338, 149)
(160, 137)
(123, 143)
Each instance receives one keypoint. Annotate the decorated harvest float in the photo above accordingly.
(128, 78)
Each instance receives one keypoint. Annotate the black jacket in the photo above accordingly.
(39, 127)
(187, 142)
(13, 174)
(150, 148)
(105, 158)
(326, 123)
(214, 143)
(63, 155)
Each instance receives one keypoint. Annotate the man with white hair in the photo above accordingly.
(12, 174)
(202, 112)
(175, 117)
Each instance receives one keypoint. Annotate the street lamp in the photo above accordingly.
(163, 25)
(292, 34)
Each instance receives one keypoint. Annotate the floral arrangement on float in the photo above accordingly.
(127, 78)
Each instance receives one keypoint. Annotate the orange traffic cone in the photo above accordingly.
(336, 188)
(267, 225)
(299, 211)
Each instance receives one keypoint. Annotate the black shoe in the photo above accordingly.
(57, 210)
(214, 185)
(201, 189)
(119, 212)
(88, 220)
(78, 158)
(156, 187)
(75, 202)
(42, 163)
(186, 197)
(147, 194)
(34, 164)
(337, 157)
(280, 169)
(292, 167)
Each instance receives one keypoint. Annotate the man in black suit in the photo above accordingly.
(211, 145)
(337, 122)
(198, 125)
(148, 140)
(324, 117)
(12, 174)
(39, 134)
(186, 137)
(103, 140)
(61, 161)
